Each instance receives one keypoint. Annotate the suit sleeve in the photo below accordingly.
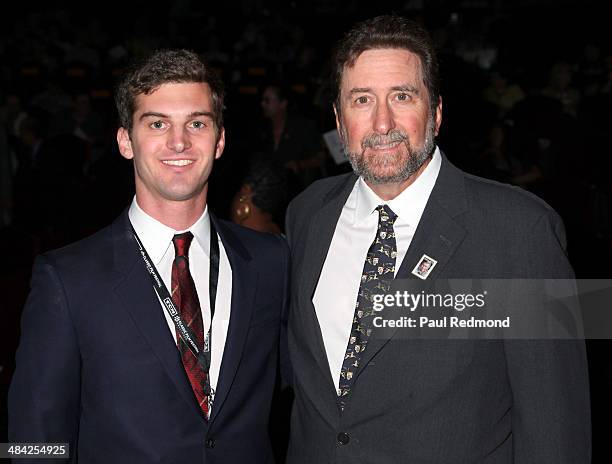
(289, 223)
(285, 363)
(44, 395)
(549, 378)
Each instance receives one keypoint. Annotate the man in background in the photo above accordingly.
(289, 138)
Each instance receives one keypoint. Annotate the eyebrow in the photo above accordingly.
(401, 88)
(406, 88)
(154, 114)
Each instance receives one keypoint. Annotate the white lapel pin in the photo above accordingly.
(424, 267)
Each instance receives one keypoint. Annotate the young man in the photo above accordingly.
(103, 364)
(369, 396)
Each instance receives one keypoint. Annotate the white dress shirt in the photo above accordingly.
(336, 294)
(157, 240)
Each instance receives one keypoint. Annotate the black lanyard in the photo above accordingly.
(186, 334)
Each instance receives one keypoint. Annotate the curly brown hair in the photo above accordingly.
(162, 67)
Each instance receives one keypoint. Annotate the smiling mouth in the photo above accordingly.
(183, 162)
(386, 146)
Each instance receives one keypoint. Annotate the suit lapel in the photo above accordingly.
(318, 240)
(244, 283)
(135, 291)
(438, 235)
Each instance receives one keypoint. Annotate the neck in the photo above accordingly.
(260, 223)
(178, 215)
(391, 190)
(278, 120)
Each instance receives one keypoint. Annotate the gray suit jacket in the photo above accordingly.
(440, 401)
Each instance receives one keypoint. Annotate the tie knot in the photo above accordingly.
(386, 215)
(181, 244)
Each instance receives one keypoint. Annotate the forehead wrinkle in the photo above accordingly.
(373, 57)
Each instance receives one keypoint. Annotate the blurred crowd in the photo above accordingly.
(526, 91)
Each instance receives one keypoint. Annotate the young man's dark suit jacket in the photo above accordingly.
(440, 401)
(97, 366)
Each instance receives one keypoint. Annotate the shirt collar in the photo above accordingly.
(157, 237)
(408, 205)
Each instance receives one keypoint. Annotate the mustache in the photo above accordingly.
(375, 140)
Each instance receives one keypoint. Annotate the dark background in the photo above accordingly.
(527, 87)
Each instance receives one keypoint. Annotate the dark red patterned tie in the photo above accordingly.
(186, 298)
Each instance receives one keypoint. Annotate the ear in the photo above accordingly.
(246, 190)
(338, 124)
(438, 115)
(220, 144)
(125, 144)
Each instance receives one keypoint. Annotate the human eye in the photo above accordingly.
(198, 124)
(158, 125)
(403, 97)
(361, 100)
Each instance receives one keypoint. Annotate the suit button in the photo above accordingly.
(343, 438)
(210, 443)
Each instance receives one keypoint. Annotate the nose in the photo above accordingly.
(383, 118)
(178, 140)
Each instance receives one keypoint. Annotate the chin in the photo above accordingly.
(387, 170)
(377, 179)
(177, 195)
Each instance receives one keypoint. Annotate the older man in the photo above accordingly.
(364, 396)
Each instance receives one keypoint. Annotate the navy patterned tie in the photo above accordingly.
(378, 272)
